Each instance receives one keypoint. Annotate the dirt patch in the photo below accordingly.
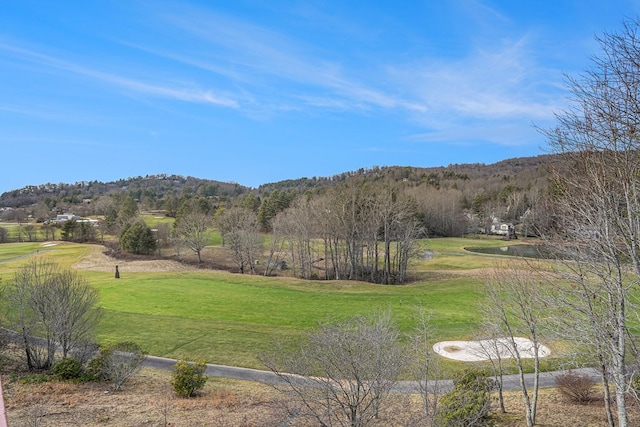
(105, 259)
(97, 260)
(148, 400)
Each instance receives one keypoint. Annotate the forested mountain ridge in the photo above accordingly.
(453, 198)
(448, 199)
(163, 185)
(516, 168)
(157, 187)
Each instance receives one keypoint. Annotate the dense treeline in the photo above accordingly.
(450, 201)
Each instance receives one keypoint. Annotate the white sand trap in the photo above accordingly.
(474, 351)
(46, 244)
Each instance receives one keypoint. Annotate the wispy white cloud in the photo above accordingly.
(165, 91)
(495, 83)
(56, 111)
(500, 134)
(483, 14)
(256, 56)
(31, 111)
(260, 71)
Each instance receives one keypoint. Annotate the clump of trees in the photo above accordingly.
(241, 234)
(274, 203)
(350, 231)
(120, 211)
(353, 232)
(138, 238)
(77, 231)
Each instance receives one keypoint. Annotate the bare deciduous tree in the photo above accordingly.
(587, 307)
(493, 348)
(599, 191)
(52, 308)
(31, 232)
(297, 226)
(515, 308)
(48, 230)
(341, 373)
(192, 229)
(279, 246)
(239, 228)
(423, 364)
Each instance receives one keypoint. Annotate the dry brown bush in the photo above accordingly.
(576, 388)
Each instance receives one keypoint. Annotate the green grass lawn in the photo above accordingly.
(457, 245)
(231, 318)
(153, 220)
(13, 255)
(9, 251)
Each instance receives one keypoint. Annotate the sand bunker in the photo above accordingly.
(473, 351)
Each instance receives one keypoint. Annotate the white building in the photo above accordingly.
(66, 217)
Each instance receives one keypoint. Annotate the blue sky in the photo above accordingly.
(257, 92)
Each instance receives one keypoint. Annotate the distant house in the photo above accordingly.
(71, 217)
(502, 229)
(66, 217)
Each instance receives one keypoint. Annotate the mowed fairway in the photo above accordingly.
(230, 319)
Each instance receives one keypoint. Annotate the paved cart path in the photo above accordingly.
(510, 382)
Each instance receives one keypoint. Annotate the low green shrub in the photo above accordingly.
(94, 370)
(468, 403)
(67, 369)
(189, 378)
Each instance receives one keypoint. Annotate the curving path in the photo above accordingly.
(510, 382)
(39, 251)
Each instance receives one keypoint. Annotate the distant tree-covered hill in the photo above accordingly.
(153, 187)
(449, 199)
(517, 169)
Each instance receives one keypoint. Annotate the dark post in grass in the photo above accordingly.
(117, 273)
